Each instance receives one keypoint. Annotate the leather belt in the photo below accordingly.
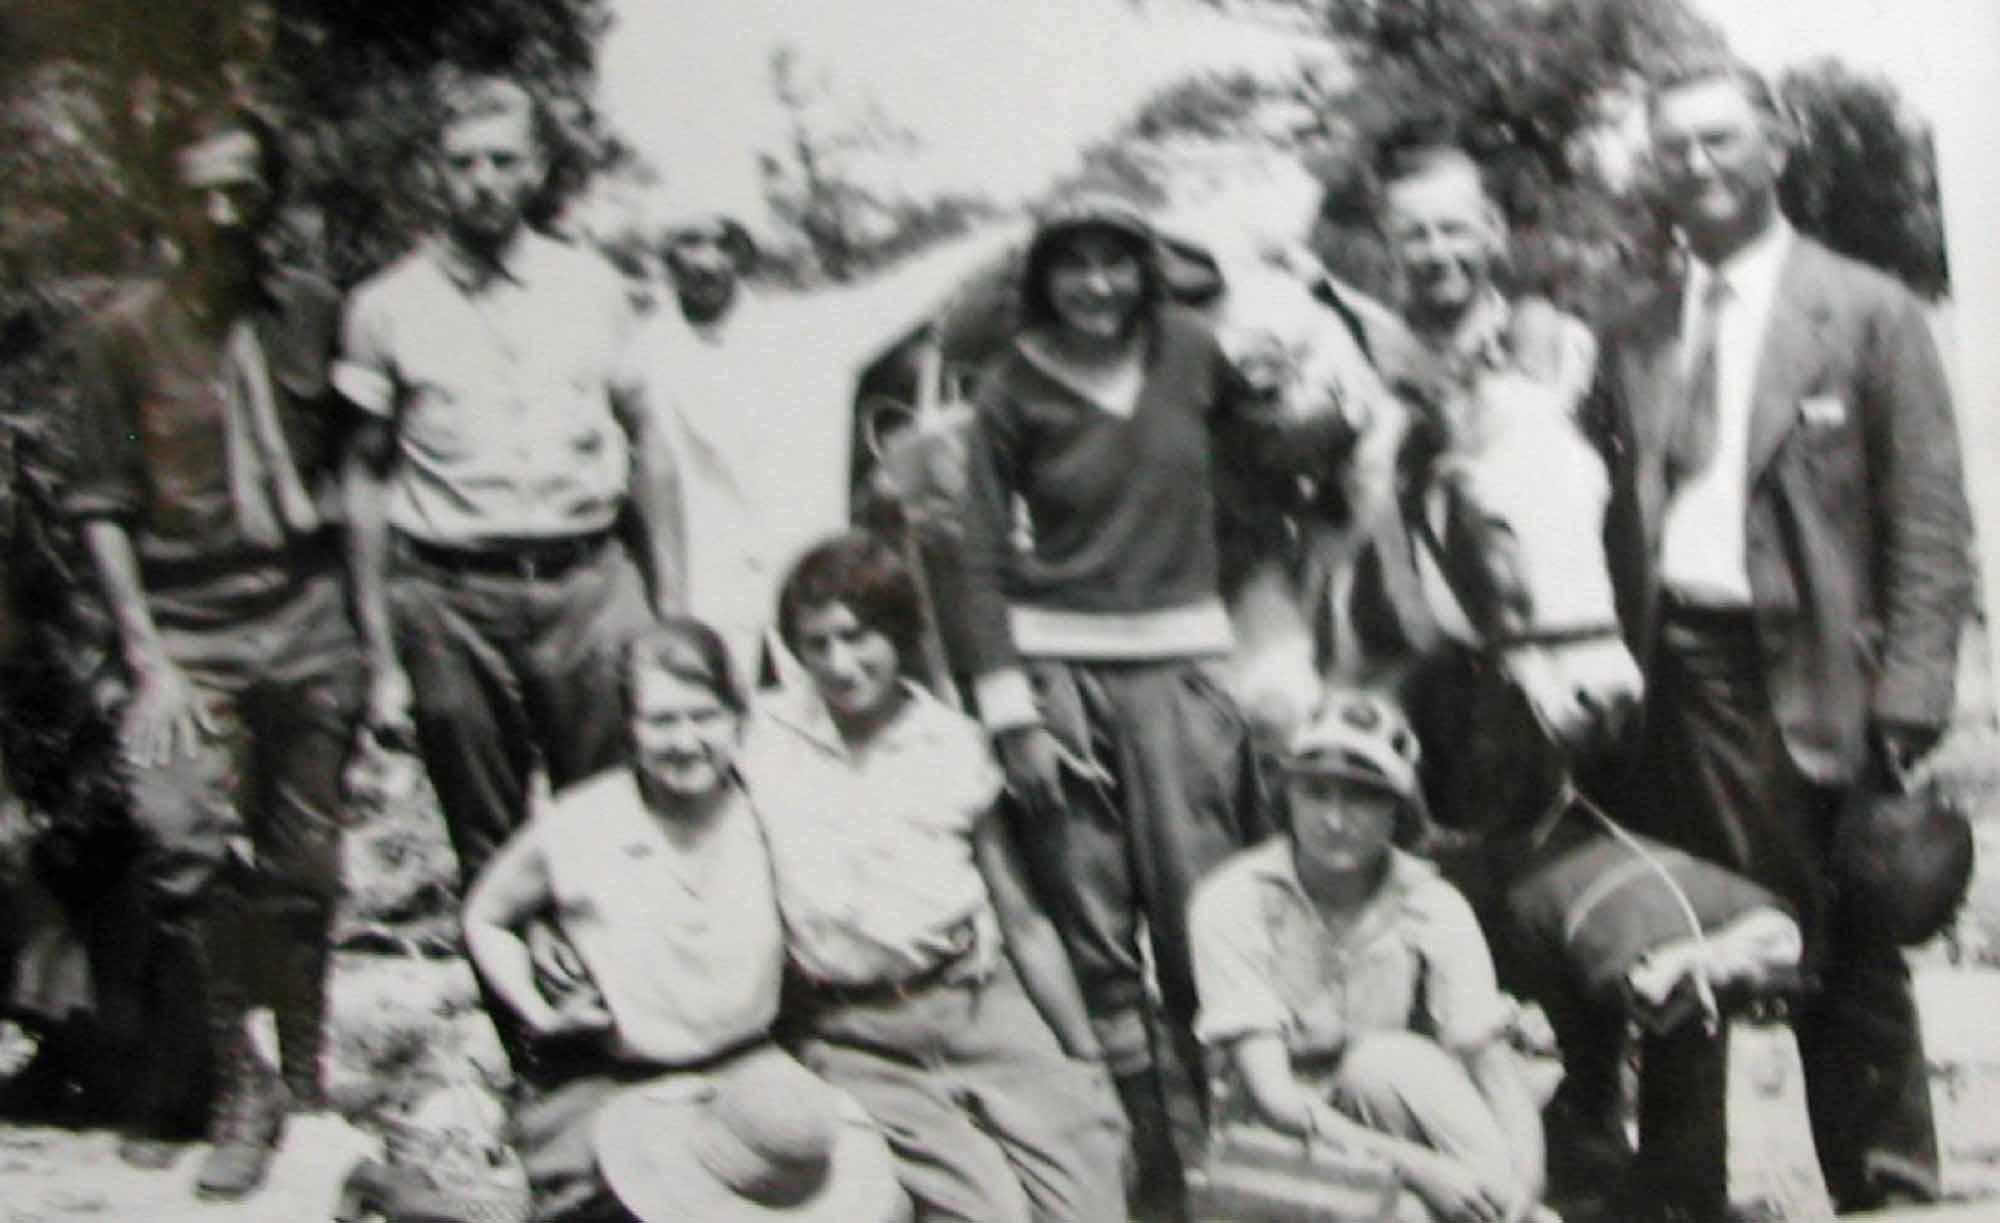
(948, 971)
(529, 560)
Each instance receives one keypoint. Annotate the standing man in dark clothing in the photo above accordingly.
(207, 431)
(503, 455)
(1789, 534)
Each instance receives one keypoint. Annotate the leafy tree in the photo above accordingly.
(87, 88)
(826, 186)
(1864, 178)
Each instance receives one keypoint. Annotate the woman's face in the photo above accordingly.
(1339, 824)
(683, 735)
(853, 665)
(1094, 283)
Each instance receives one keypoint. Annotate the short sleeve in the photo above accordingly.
(105, 478)
(977, 781)
(364, 371)
(1232, 964)
(1461, 990)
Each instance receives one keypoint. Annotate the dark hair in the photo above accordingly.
(1036, 307)
(860, 571)
(208, 122)
(726, 232)
(1420, 144)
(1703, 70)
(688, 650)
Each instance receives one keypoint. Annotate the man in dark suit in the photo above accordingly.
(1789, 538)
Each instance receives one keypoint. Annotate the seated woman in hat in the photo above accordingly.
(929, 984)
(656, 874)
(1347, 986)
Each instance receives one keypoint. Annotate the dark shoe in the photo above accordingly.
(249, 1122)
(149, 1154)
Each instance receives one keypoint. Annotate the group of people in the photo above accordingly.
(479, 507)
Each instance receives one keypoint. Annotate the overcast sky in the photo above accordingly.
(1001, 93)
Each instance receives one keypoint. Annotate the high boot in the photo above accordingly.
(247, 1115)
(1159, 1190)
(249, 1118)
(297, 992)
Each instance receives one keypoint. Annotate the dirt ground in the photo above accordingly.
(406, 1020)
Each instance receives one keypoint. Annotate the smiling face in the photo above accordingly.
(1340, 825)
(683, 735)
(1446, 236)
(1095, 284)
(1718, 159)
(854, 667)
(491, 169)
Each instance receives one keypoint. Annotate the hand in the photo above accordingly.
(387, 712)
(1453, 1191)
(1900, 747)
(166, 717)
(559, 970)
(575, 1015)
(1032, 760)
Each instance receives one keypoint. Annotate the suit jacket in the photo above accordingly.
(1856, 529)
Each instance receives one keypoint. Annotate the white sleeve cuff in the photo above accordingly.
(367, 389)
(1005, 700)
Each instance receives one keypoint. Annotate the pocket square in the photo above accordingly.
(1822, 411)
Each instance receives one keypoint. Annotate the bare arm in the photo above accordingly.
(365, 473)
(512, 889)
(657, 506)
(165, 717)
(1032, 942)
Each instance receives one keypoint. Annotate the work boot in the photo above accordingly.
(1159, 1190)
(298, 1002)
(247, 1124)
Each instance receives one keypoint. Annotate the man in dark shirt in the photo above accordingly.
(206, 430)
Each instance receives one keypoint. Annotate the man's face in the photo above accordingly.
(1445, 235)
(853, 665)
(704, 272)
(491, 169)
(1718, 161)
(222, 201)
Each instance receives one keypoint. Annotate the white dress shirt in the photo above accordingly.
(1702, 557)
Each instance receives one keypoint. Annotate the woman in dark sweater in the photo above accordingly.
(1096, 647)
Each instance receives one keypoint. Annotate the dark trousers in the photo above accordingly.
(1718, 781)
(1171, 799)
(237, 870)
(510, 671)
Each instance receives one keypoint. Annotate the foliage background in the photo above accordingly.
(86, 86)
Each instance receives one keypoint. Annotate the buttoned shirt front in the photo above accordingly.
(686, 948)
(1702, 546)
(152, 440)
(873, 849)
(1265, 960)
(501, 392)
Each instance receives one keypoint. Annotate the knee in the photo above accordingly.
(184, 827)
(1382, 1069)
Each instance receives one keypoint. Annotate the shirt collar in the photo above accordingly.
(1753, 271)
(469, 274)
(1274, 863)
(799, 708)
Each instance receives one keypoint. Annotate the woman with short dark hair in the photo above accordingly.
(1095, 650)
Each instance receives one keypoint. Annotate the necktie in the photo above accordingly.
(1693, 445)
